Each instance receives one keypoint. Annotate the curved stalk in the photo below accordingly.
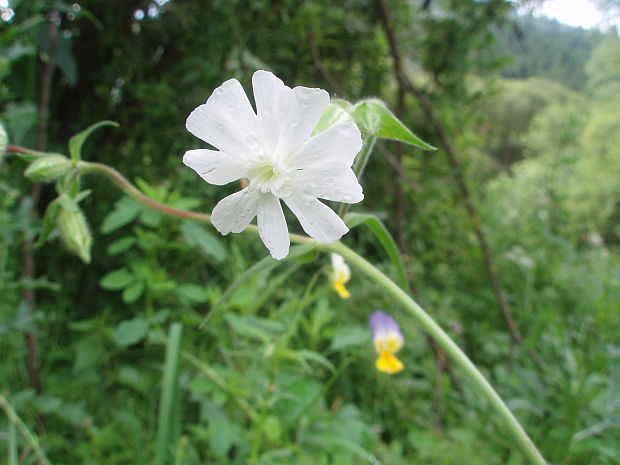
(423, 318)
(451, 348)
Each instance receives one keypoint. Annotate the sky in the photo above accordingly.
(573, 12)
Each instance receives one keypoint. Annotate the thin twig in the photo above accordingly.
(28, 260)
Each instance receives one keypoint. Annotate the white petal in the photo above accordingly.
(227, 121)
(234, 213)
(318, 220)
(343, 187)
(340, 142)
(215, 167)
(298, 113)
(272, 226)
(268, 91)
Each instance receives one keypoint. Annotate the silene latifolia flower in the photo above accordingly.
(274, 149)
(388, 339)
(340, 275)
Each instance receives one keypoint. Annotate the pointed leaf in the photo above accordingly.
(77, 141)
(117, 279)
(130, 332)
(373, 117)
(196, 236)
(125, 211)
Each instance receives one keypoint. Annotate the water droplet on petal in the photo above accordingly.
(347, 130)
(305, 104)
(219, 91)
(330, 181)
(294, 122)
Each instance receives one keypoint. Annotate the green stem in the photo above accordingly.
(33, 441)
(451, 348)
(423, 318)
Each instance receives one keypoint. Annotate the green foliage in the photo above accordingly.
(543, 47)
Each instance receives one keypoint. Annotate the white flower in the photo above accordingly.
(274, 150)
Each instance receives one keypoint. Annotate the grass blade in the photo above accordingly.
(169, 414)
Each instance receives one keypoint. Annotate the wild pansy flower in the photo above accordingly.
(388, 340)
(275, 150)
(340, 275)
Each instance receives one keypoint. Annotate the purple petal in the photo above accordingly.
(382, 323)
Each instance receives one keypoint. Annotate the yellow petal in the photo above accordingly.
(341, 290)
(388, 363)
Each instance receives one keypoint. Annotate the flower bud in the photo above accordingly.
(48, 168)
(74, 230)
(4, 140)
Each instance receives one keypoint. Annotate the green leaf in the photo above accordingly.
(223, 435)
(350, 337)
(130, 332)
(314, 357)
(196, 236)
(121, 245)
(77, 141)
(49, 222)
(150, 217)
(338, 111)
(117, 279)
(192, 293)
(133, 292)
(385, 238)
(125, 211)
(373, 117)
(254, 327)
(272, 428)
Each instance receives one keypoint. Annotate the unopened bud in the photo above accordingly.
(75, 232)
(48, 168)
(4, 140)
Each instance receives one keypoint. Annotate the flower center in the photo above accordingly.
(270, 177)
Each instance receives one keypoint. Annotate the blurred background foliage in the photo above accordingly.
(284, 371)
